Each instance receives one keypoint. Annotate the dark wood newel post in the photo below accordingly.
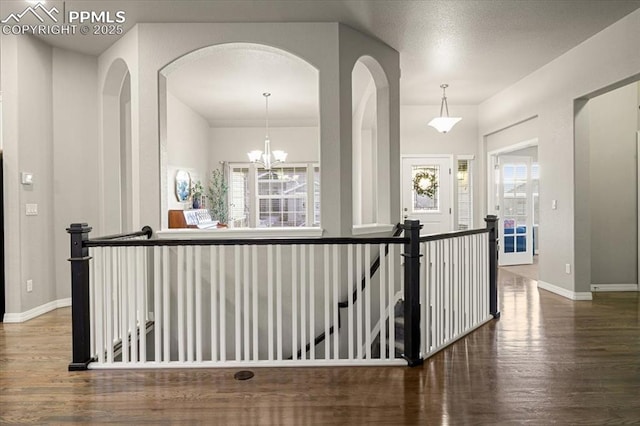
(80, 296)
(492, 222)
(412, 292)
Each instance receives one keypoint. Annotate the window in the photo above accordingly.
(287, 196)
(465, 195)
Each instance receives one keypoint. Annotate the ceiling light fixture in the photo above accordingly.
(443, 124)
(267, 158)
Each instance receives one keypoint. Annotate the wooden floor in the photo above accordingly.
(548, 360)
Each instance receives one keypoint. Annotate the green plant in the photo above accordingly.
(217, 194)
(197, 190)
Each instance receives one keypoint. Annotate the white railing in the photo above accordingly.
(211, 304)
(454, 289)
(277, 302)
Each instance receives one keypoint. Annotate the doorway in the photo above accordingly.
(427, 192)
(513, 197)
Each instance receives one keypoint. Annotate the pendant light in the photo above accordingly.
(443, 124)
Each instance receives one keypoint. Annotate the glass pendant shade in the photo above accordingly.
(444, 123)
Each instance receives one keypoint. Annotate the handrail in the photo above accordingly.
(101, 242)
(146, 230)
(452, 234)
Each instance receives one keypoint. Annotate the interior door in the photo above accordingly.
(431, 202)
(515, 211)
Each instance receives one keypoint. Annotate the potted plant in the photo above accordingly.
(197, 191)
(217, 193)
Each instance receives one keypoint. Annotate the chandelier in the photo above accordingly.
(444, 123)
(267, 158)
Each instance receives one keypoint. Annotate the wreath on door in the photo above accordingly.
(425, 183)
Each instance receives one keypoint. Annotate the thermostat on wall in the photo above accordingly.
(27, 178)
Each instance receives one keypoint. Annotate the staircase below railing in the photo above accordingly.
(140, 303)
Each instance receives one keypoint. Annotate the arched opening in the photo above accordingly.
(370, 143)
(213, 113)
(117, 199)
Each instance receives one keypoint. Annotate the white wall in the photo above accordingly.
(233, 143)
(417, 138)
(125, 49)
(75, 154)
(332, 48)
(188, 146)
(614, 188)
(608, 58)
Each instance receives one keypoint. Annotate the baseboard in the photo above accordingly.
(585, 295)
(37, 311)
(614, 287)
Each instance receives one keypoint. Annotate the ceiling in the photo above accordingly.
(478, 47)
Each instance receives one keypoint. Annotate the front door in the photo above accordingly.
(515, 211)
(426, 193)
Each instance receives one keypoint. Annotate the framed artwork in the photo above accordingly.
(183, 185)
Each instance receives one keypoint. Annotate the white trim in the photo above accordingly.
(371, 228)
(572, 295)
(223, 233)
(247, 364)
(638, 197)
(613, 287)
(37, 311)
(491, 203)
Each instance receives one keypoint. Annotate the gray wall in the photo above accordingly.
(75, 153)
(28, 147)
(613, 191)
(50, 130)
(549, 93)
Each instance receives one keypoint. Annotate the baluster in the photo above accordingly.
(392, 300)
(255, 299)
(367, 299)
(359, 339)
(383, 308)
(270, 300)
(303, 301)
(198, 262)
(157, 309)
(336, 301)
(327, 305)
(312, 297)
(141, 283)
(294, 304)
(213, 279)
(279, 300)
(350, 280)
(180, 290)
(237, 303)
(246, 312)
(166, 312)
(110, 317)
(223, 303)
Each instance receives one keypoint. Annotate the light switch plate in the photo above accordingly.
(26, 178)
(32, 210)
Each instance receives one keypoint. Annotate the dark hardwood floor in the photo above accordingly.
(548, 360)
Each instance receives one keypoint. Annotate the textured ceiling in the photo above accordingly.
(478, 47)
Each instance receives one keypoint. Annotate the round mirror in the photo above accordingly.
(183, 186)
